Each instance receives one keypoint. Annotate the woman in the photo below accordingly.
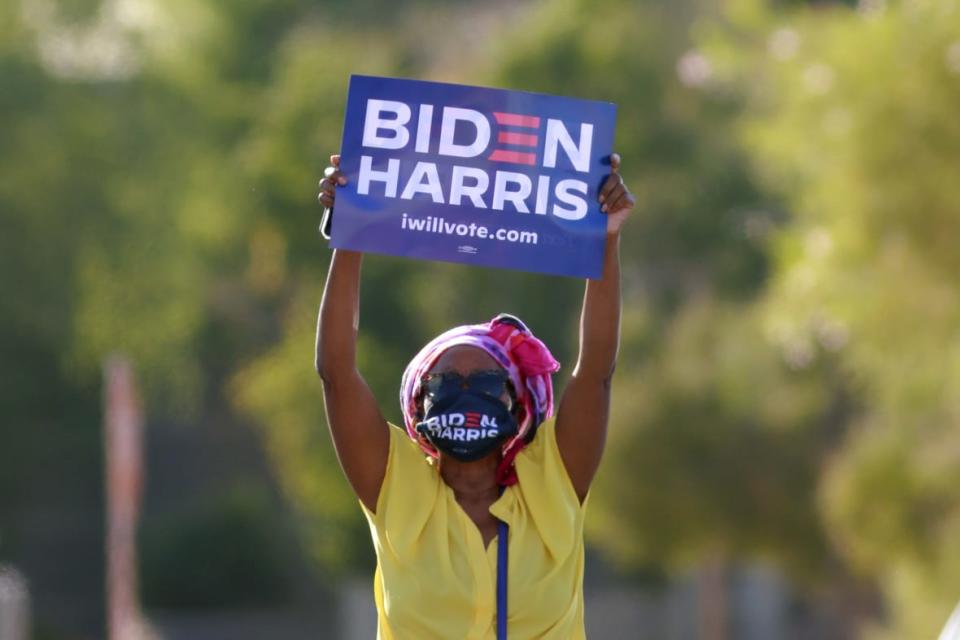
(481, 458)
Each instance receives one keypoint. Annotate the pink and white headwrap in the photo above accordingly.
(525, 358)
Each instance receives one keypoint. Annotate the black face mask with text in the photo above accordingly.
(467, 425)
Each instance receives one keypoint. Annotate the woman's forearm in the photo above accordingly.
(600, 319)
(339, 316)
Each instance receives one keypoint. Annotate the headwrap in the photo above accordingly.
(525, 358)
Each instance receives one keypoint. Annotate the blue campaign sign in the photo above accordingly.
(473, 175)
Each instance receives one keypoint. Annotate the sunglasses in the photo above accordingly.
(490, 383)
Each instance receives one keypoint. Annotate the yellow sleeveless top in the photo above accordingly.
(434, 577)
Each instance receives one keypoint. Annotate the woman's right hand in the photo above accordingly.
(332, 178)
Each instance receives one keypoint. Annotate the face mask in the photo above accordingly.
(466, 419)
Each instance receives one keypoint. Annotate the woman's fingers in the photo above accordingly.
(616, 200)
(335, 175)
(623, 201)
(332, 178)
(610, 203)
(620, 198)
(612, 182)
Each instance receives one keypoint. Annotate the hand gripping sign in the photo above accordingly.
(473, 175)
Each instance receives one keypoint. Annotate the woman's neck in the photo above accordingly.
(471, 481)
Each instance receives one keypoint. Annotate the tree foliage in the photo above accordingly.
(851, 120)
(789, 378)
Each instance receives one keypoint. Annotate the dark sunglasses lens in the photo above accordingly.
(437, 383)
(490, 383)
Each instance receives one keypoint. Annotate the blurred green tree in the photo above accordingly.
(852, 119)
(226, 552)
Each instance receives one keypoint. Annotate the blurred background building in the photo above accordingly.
(784, 458)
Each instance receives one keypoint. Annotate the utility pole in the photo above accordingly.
(123, 454)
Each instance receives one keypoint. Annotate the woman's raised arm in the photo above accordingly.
(585, 405)
(358, 429)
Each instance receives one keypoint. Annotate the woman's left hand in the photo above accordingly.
(615, 198)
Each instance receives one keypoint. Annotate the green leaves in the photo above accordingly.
(855, 127)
